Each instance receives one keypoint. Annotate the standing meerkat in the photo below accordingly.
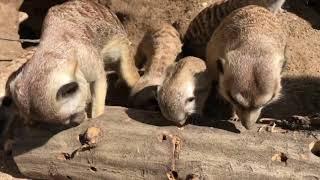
(79, 38)
(246, 55)
(184, 91)
(160, 47)
(204, 24)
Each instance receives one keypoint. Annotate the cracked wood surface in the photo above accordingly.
(136, 144)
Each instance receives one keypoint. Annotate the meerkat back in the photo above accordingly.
(245, 55)
(66, 73)
(204, 24)
(161, 47)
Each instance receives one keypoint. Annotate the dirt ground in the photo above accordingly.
(301, 20)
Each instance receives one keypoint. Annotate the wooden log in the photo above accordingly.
(135, 144)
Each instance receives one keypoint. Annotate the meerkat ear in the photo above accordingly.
(220, 65)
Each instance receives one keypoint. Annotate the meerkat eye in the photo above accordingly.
(220, 66)
(190, 99)
(67, 90)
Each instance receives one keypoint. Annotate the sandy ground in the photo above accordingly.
(301, 20)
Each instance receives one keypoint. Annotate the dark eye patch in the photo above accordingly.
(67, 90)
(190, 99)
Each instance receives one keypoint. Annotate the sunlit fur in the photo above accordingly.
(79, 38)
(160, 47)
(250, 45)
(184, 90)
(205, 23)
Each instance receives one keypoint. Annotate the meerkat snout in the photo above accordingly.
(184, 90)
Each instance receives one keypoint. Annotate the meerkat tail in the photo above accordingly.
(119, 50)
(128, 70)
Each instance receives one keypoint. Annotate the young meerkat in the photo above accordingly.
(204, 24)
(246, 55)
(184, 91)
(160, 47)
(79, 38)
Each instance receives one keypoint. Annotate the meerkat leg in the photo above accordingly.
(234, 116)
(128, 70)
(119, 51)
(99, 93)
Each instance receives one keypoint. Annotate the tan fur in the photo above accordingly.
(67, 72)
(249, 45)
(160, 47)
(204, 24)
(184, 90)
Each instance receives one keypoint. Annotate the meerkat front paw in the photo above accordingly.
(78, 118)
(234, 117)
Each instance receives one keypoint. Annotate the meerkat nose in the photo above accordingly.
(249, 117)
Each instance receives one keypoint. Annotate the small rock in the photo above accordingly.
(91, 135)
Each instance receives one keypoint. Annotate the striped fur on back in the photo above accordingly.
(204, 24)
(160, 47)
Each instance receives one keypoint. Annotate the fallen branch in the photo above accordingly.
(118, 146)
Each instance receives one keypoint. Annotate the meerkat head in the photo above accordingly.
(184, 90)
(250, 80)
(53, 90)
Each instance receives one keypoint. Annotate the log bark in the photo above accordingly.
(136, 144)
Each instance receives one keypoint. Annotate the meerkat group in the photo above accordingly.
(238, 43)
(243, 45)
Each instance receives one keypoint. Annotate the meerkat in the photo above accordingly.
(183, 93)
(160, 47)
(204, 24)
(246, 55)
(66, 73)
